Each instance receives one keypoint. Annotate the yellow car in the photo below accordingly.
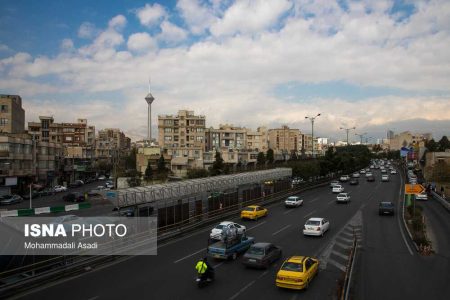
(253, 212)
(297, 272)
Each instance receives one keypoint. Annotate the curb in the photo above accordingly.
(43, 210)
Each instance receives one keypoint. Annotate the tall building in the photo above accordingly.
(149, 99)
(110, 142)
(307, 143)
(258, 140)
(12, 115)
(227, 137)
(182, 136)
(284, 140)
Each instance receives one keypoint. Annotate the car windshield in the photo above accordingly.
(386, 204)
(6, 197)
(311, 222)
(342, 195)
(292, 266)
(256, 251)
(249, 209)
(292, 198)
(219, 227)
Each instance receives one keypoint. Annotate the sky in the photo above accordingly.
(374, 65)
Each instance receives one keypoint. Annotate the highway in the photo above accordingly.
(387, 266)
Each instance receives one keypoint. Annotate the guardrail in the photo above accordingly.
(345, 292)
(32, 275)
(441, 200)
(25, 212)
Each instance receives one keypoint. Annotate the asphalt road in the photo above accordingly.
(171, 274)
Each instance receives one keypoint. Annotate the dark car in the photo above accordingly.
(371, 178)
(74, 197)
(76, 183)
(354, 181)
(261, 255)
(10, 199)
(386, 208)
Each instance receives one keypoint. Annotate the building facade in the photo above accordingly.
(284, 140)
(408, 139)
(12, 115)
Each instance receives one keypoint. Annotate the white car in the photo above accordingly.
(102, 177)
(385, 178)
(109, 185)
(362, 171)
(344, 178)
(226, 227)
(293, 201)
(393, 172)
(422, 196)
(337, 188)
(368, 174)
(59, 188)
(343, 197)
(333, 183)
(316, 226)
(355, 175)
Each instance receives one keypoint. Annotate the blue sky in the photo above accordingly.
(220, 58)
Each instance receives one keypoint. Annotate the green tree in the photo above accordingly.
(148, 171)
(161, 164)
(217, 167)
(270, 156)
(444, 143)
(261, 159)
(432, 146)
(130, 160)
(197, 173)
(134, 178)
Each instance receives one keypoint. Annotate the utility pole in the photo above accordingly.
(312, 132)
(347, 130)
(361, 136)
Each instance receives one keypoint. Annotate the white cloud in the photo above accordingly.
(87, 30)
(118, 22)
(66, 45)
(172, 33)
(248, 16)
(141, 42)
(151, 14)
(4, 48)
(198, 17)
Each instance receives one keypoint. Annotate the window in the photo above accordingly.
(199, 139)
(168, 122)
(167, 130)
(3, 121)
(4, 108)
(68, 138)
(167, 138)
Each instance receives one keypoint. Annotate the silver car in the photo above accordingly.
(10, 199)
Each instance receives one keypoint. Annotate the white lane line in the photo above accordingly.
(187, 256)
(332, 201)
(278, 231)
(242, 290)
(262, 275)
(314, 200)
(287, 212)
(93, 298)
(339, 254)
(262, 223)
(337, 265)
(218, 265)
(311, 213)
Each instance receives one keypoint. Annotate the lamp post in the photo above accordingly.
(361, 136)
(312, 131)
(347, 130)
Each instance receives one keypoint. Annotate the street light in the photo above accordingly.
(361, 136)
(312, 131)
(347, 130)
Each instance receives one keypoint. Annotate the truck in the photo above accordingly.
(229, 248)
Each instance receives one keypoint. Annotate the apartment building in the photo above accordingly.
(182, 136)
(12, 115)
(226, 137)
(284, 140)
(111, 142)
(408, 139)
(258, 141)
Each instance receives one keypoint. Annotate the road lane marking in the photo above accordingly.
(262, 275)
(400, 211)
(278, 231)
(332, 201)
(337, 265)
(242, 290)
(345, 239)
(93, 298)
(218, 265)
(314, 200)
(257, 225)
(289, 211)
(311, 213)
(190, 255)
(339, 254)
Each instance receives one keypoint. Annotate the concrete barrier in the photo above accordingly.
(441, 200)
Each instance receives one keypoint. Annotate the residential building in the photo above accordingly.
(258, 140)
(182, 137)
(284, 141)
(407, 139)
(226, 137)
(110, 144)
(146, 154)
(12, 115)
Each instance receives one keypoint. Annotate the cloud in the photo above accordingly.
(4, 48)
(67, 45)
(172, 33)
(141, 42)
(248, 16)
(87, 30)
(118, 22)
(197, 17)
(150, 15)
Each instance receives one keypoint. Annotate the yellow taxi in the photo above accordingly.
(297, 272)
(253, 212)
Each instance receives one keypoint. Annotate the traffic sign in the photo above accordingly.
(414, 189)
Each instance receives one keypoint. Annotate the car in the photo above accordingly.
(261, 255)
(46, 192)
(354, 181)
(226, 227)
(371, 178)
(316, 226)
(254, 212)
(344, 178)
(102, 177)
(10, 199)
(386, 208)
(76, 183)
(109, 184)
(343, 198)
(337, 188)
(356, 175)
(368, 174)
(385, 178)
(413, 181)
(59, 188)
(372, 167)
(297, 180)
(297, 272)
(393, 171)
(383, 171)
(74, 197)
(422, 196)
(293, 201)
(362, 171)
(333, 183)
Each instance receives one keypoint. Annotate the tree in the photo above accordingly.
(270, 156)
(444, 143)
(161, 164)
(432, 146)
(197, 173)
(134, 179)
(217, 167)
(261, 159)
(148, 171)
